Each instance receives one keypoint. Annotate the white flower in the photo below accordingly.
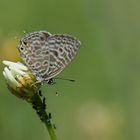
(20, 81)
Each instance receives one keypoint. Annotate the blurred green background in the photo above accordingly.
(104, 102)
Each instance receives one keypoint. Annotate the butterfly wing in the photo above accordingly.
(47, 55)
(62, 50)
(35, 53)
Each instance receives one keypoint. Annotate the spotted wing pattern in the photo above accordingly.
(62, 49)
(47, 55)
(35, 53)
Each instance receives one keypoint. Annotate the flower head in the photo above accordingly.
(20, 81)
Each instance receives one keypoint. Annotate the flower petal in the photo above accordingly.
(17, 65)
(10, 78)
(15, 70)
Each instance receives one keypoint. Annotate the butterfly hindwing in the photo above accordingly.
(36, 53)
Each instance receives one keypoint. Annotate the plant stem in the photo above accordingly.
(40, 107)
(51, 132)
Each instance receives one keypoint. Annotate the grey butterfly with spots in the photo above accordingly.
(46, 54)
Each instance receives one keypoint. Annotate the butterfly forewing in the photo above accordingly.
(62, 49)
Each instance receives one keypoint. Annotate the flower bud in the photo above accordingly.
(20, 81)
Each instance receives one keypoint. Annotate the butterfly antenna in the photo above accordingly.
(71, 80)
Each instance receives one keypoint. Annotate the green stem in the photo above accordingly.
(51, 132)
(40, 107)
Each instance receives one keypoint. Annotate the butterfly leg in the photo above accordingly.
(51, 81)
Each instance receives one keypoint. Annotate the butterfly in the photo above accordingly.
(46, 54)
